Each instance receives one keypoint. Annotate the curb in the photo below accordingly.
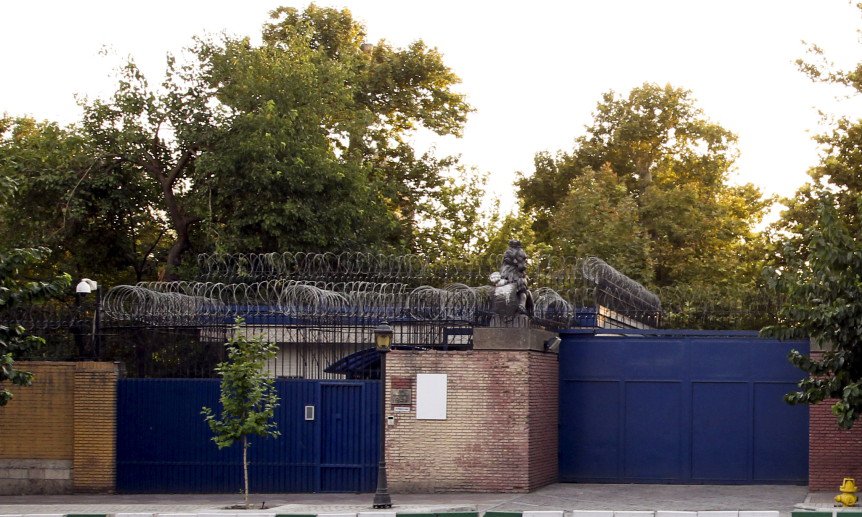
(419, 513)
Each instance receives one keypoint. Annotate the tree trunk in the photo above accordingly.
(175, 254)
(179, 218)
(245, 467)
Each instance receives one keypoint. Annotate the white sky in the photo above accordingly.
(534, 71)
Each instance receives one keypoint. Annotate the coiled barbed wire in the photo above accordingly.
(617, 291)
(374, 286)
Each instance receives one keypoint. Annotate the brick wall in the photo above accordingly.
(59, 434)
(95, 427)
(43, 410)
(544, 418)
(500, 434)
(833, 453)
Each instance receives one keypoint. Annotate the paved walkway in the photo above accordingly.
(561, 496)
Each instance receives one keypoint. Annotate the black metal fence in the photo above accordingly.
(321, 310)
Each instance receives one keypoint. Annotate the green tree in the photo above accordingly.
(278, 180)
(157, 135)
(92, 214)
(300, 142)
(820, 275)
(599, 217)
(671, 167)
(17, 289)
(248, 398)
(817, 260)
(456, 225)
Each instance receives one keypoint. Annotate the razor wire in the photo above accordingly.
(578, 276)
(286, 302)
(289, 302)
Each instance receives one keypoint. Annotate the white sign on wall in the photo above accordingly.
(431, 396)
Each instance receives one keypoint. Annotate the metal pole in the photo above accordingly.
(97, 326)
(381, 497)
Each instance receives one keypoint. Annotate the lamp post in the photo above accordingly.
(84, 287)
(382, 342)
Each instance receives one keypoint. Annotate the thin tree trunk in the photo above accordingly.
(180, 219)
(245, 467)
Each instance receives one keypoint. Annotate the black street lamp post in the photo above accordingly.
(85, 287)
(383, 342)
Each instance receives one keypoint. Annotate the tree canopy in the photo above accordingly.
(19, 287)
(817, 262)
(647, 188)
(300, 142)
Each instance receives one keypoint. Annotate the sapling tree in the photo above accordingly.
(248, 398)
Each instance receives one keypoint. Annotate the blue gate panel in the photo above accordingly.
(778, 426)
(652, 433)
(164, 444)
(683, 407)
(721, 431)
(722, 359)
(344, 459)
(589, 431)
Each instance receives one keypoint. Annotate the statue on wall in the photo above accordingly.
(511, 295)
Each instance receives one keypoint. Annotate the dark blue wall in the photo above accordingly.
(703, 408)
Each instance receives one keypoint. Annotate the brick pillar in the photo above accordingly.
(500, 433)
(833, 453)
(95, 428)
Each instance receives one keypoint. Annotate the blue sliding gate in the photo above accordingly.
(163, 443)
(681, 407)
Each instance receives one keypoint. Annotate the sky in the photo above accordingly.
(533, 71)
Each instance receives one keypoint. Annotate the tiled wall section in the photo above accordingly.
(59, 434)
(500, 434)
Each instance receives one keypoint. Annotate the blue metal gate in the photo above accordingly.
(163, 443)
(681, 407)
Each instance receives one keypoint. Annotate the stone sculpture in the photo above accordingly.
(511, 295)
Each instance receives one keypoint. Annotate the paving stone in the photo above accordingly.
(544, 513)
(674, 513)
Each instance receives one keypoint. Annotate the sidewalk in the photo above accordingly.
(561, 496)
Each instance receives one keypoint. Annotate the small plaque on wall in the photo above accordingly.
(401, 397)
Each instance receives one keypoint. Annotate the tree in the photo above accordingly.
(248, 398)
(92, 214)
(17, 290)
(663, 167)
(455, 225)
(821, 276)
(157, 135)
(817, 261)
(276, 180)
(299, 142)
(600, 218)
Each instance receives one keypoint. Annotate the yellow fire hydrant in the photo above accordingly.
(847, 497)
